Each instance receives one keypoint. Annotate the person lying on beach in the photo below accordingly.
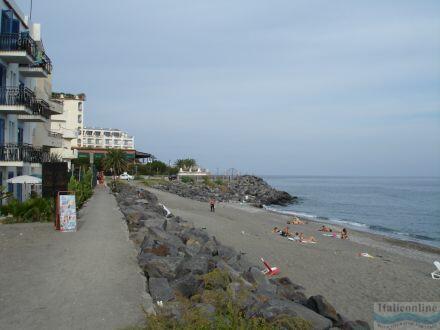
(285, 232)
(295, 221)
(304, 239)
(326, 229)
(344, 234)
(296, 237)
(276, 230)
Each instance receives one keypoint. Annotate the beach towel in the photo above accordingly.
(334, 235)
(366, 255)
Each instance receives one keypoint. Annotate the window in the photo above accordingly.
(107, 134)
(79, 142)
(89, 141)
(9, 24)
(108, 141)
(97, 133)
(98, 141)
(79, 119)
(80, 106)
(117, 141)
(11, 132)
(89, 133)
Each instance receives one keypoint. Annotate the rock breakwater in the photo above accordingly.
(246, 188)
(188, 270)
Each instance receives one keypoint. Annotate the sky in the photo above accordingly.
(265, 87)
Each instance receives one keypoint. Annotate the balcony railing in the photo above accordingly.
(41, 108)
(23, 153)
(17, 96)
(25, 97)
(18, 42)
(55, 135)
(43, 61)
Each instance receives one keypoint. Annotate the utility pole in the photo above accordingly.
(30, 13)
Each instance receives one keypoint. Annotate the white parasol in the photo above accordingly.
(25, 179)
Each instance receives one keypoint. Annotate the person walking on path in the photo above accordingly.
(212, 203)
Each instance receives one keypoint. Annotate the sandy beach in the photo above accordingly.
(399, 271)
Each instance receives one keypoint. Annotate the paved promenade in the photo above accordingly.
(83, 280)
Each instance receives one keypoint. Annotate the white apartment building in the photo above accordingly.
(25, 104)
(105, 138)
(69, 124)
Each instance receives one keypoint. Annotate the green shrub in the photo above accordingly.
(208, 182)
(31, 210)
(186, 179)
(216, 279)
(219, 182)
(83, 189)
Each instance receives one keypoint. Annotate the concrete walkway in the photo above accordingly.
(84, 280)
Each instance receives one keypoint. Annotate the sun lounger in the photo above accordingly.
(269, 271)
(436, 273)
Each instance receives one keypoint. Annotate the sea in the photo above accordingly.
(406, 208)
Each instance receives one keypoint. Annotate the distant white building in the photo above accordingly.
(105, 138)
(69, 124)
(194, 172)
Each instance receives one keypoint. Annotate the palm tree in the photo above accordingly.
(186, 164)
(115, 161)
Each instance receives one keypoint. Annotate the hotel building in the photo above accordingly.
(69, 124)
(25, 99)
(105, 138)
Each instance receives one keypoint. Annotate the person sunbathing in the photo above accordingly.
(296, 237)
(344, 234)
(326, 229)
(304, 239)
(295, 221)
(285, 232)
(275, 230)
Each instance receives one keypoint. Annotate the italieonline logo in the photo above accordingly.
(406, 315)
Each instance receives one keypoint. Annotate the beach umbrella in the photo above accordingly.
(25, 179)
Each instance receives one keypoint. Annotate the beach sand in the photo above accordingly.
(399, 271)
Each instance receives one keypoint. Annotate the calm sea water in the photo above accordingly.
(404, 208)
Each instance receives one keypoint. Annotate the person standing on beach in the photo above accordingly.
(212, 203)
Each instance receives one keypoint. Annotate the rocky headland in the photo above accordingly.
(190, 273)
(246, 188)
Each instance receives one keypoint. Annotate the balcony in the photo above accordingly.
(41, 68)
(54, 140)
(16, 100)
(17, 48)
(40, 113)
(17, 154)
(56, 107)
(68, 134)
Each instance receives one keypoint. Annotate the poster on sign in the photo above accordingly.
(67, 212)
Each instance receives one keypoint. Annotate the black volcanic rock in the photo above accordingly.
(246, 188)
